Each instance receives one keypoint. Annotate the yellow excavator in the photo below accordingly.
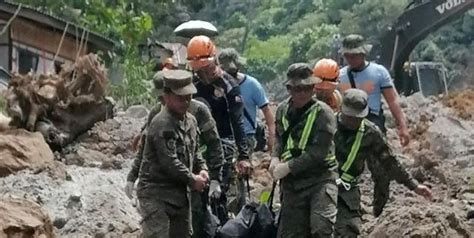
(420, 18)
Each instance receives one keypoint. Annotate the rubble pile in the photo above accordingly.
(462, 102)
(60, 106)
(439, 155)
(88, 201)
(82, 190)
(106, 145)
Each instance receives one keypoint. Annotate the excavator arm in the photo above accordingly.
(420, 19)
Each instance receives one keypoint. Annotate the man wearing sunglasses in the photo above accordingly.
(222, 93)
(303, 159)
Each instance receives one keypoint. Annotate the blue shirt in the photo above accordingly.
(254, 97)
(372, 79)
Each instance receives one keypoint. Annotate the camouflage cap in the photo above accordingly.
(355, 44)
(230, 59)
(158, 84)
(179, 82)
(355, 103)
(299, 74)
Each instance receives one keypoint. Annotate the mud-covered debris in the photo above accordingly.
(60, 106)
(462, 102)
(137, 111)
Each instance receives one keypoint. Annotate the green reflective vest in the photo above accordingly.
(290, 144)
(346, 177)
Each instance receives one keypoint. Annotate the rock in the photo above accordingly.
(68, 177)
(59, 222)
(74, 159)
(23, 218)
(75, 197)
(111, 164)
(91, 156)
(100, 234)
(74, 201)
(417, 100)
(4, 121)
(113, 123)
(103, 137)
(447, 137)
(137, 111)
(470, 214)
(463, 162)
(111, 227)
(21, 149)
(119, 149)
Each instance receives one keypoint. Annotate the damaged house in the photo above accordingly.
(36, 41)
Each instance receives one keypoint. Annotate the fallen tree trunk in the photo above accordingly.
(60, 106)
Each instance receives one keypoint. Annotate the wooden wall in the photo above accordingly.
(45, 39)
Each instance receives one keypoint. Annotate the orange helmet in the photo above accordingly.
(201, 52)
(328, 71)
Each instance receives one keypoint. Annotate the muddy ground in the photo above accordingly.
(83, 194)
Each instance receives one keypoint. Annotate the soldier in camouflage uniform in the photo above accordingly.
(210, 147)
(171, 166)
(359, 141)
(303, 159)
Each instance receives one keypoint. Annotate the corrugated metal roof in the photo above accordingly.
(30, 13)
(179, 51)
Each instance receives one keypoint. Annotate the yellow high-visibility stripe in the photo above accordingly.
(347, 177)
(354, 150)
(286, 155)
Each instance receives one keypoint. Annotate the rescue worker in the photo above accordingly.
(328, 71)
(136, 144)
(222, 93)
(253, 94)
(375, 80)
(303, 159)
(171, 166)
(210, 147)
(359, 141)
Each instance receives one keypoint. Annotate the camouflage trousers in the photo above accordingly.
(251, 142)
(348, 221)
(309, 212)
(164, 220)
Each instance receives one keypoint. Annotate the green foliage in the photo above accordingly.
(263, 70)
(266, 25)
(3, 103)
(122, 22)
(134, 89)
(371, 17)
(230, 38)
(266, 58)
(313, 43)
(237, 20)
(271, 49)
(271, 33)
